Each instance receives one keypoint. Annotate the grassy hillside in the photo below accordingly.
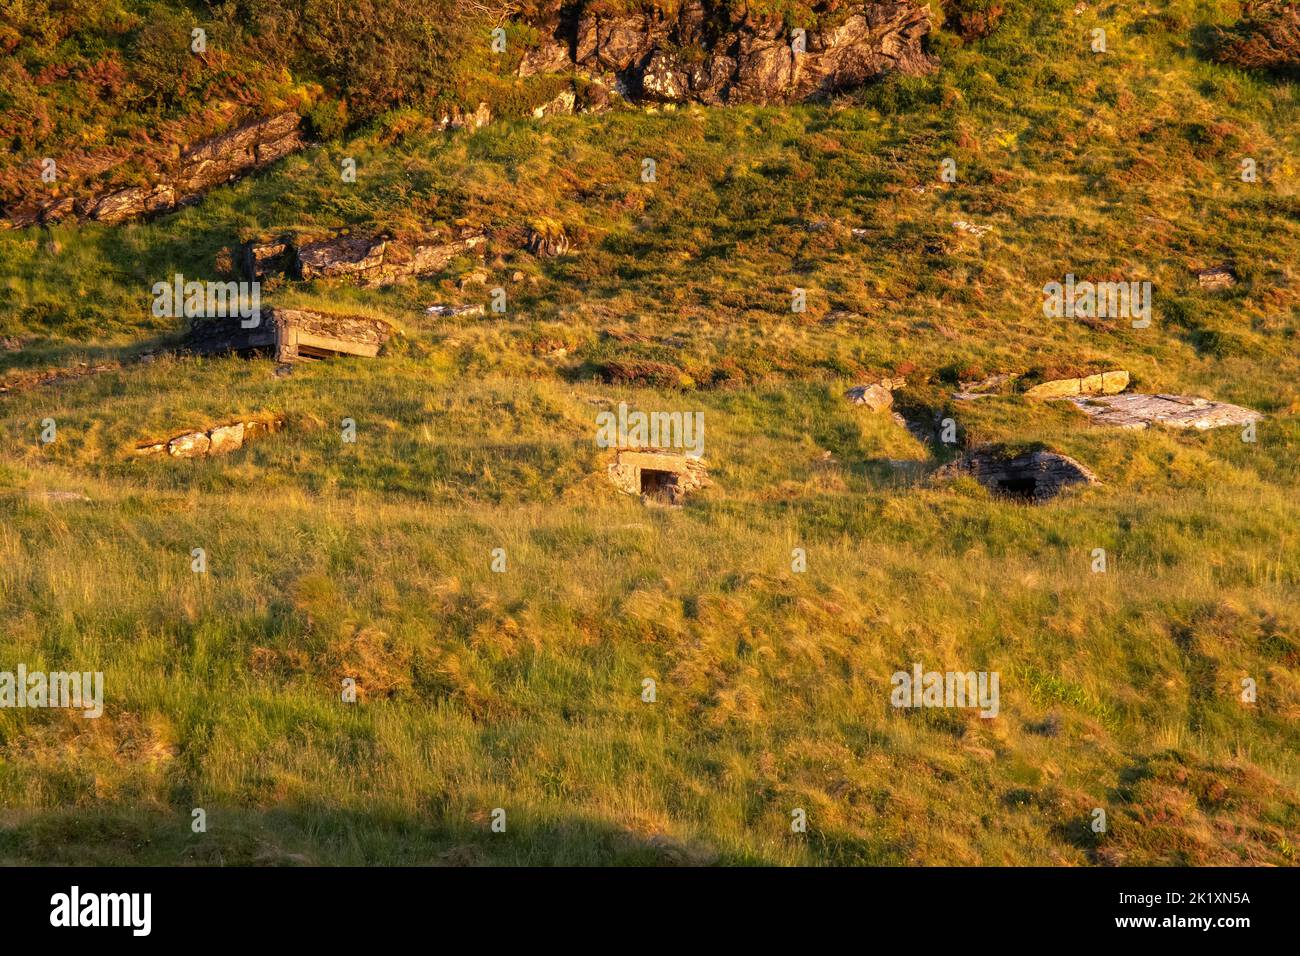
(522, 690)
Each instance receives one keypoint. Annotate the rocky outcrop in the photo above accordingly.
(232, 155)
(705, 53)
(211, 442)
(213, 161)
(547, 238)
(367, 259)
(878, 397)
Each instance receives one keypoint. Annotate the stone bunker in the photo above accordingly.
(663, 477)
(1032, 476)
(292, 334)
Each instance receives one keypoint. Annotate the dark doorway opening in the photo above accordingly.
(659, 485)
(1018, 487)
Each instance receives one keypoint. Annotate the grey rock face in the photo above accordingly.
(705, 54)
(366, 259)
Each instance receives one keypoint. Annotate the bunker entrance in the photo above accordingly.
(1033, 477)
(660, 485)
(1023, 487)
(656, 475)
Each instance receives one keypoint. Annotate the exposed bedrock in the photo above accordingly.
(208, 163)
(705, 53)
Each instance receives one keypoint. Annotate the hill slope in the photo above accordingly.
(372, 559)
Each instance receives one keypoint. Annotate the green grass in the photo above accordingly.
(522, 690)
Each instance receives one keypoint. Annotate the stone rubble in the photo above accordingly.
(219, 440)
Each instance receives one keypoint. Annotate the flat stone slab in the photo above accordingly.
(1103, 383)
(1133, 410)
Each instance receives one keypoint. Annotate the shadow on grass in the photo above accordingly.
(327, 836)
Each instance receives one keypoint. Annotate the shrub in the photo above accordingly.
(1266, 38)
(973, 19)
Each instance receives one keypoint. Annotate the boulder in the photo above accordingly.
(454, 311)
(220, 440)
(226, 438)
(878, 398)
(548, 57)
(561, 105)
(352, 256)
(189, 445)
